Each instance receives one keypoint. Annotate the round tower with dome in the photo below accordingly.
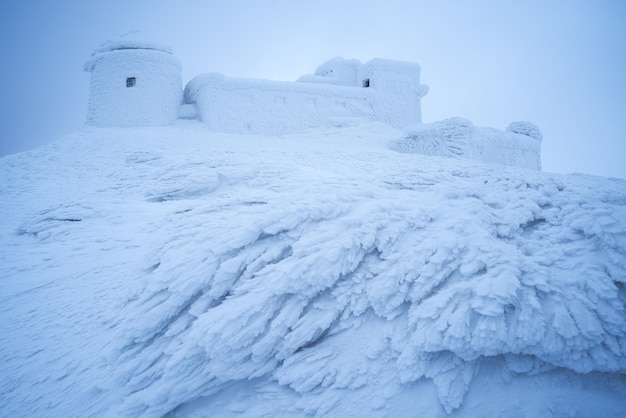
(133, 83)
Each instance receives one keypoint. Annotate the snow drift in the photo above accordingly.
(199, 274)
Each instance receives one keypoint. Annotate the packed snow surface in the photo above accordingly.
(154, 271)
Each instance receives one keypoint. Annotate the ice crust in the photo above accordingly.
(176, 271)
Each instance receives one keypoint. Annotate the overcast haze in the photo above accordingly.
(558, 64)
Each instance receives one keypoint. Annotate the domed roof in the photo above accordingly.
(124, 43)
(130, 43)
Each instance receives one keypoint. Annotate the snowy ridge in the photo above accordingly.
(245, 275)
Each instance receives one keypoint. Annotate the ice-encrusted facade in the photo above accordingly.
(138, 83)
(133, 83)
(380, 90)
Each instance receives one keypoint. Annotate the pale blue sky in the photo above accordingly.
(560, 64)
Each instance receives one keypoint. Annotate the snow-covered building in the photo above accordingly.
(139, 83)
(133, 83)
(380, 90)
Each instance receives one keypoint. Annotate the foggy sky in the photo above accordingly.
(560, 64)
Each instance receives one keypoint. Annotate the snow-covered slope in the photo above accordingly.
(154, 271)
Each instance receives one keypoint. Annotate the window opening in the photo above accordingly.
(130, 82)
(366, 82)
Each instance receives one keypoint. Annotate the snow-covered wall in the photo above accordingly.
(133, 83)
(398, 91)
(518, 146)
(269, 107)
(380, 90)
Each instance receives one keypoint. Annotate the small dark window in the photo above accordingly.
(130, 82)
(366, 82)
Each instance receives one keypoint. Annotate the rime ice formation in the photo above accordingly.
(176, 270)
(525, 128)
(138, 83)
(518, 146)
(133, 83)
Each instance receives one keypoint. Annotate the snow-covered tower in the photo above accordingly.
(133, 83)
(398, 90)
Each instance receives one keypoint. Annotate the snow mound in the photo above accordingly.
(190, 273)
(338, 71)
(378, 90)
(518, 146)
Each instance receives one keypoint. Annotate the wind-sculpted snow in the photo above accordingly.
(518, 146)
(294, 277)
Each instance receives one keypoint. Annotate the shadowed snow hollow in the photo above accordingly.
(177, 271)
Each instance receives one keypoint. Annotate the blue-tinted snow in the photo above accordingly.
(149, 271)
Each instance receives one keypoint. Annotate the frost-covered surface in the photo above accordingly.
(337, 90)
(518, 146)
(153, 99)
(149, 271)
(129, 42)
(525, 128)
(338, 71)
